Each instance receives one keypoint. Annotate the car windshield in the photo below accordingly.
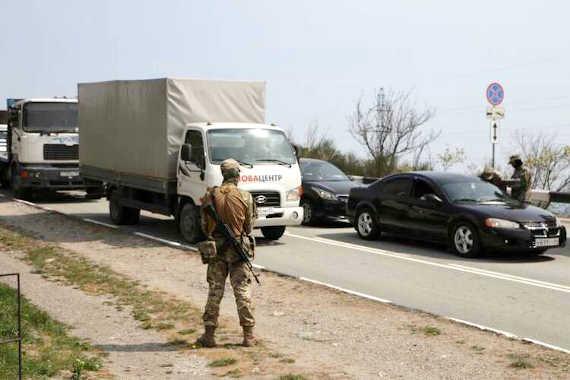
(250, 146)
(321, 171)
(474, 191)
(50, 117)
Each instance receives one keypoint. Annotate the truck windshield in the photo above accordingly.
(250, 145)
(50, 117)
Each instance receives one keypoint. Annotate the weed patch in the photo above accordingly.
(292, 377)
(48, 349)
(223, 362)
(431, 331)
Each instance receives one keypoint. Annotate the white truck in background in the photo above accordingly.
(158, 145)
(42, 148)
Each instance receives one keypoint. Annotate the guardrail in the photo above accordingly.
(17, 339)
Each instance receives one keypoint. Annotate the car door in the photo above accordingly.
(428, 219)
(393, 204)
(191, 173)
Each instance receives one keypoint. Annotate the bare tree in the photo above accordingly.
(318, 145)
(547, 159)
(449, 158)
(390, 128)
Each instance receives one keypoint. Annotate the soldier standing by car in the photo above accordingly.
(235, 208)
(520, 180)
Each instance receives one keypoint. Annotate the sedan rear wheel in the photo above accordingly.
(366, 224)
(466, 240)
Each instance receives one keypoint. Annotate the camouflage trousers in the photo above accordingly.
(240, 278)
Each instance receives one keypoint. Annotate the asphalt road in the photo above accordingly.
(526, 296)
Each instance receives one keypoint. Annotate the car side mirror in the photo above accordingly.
(185, 152)
(432, 199)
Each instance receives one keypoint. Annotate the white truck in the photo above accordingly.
(42, 150)
(158, 145)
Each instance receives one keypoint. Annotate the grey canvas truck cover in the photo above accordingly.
(130, 132)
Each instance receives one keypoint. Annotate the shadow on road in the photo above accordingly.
(432, 250)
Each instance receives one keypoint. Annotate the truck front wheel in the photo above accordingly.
(189, 223)
(273, 233)
(122, 215)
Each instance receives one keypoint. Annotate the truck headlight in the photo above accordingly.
(294, 194)
(501, 223)
(326, 195)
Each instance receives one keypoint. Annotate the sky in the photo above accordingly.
(317, 57)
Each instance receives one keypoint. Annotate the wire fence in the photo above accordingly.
(17, 339)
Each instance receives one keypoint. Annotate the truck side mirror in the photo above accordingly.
(185, 152)
(297, 150)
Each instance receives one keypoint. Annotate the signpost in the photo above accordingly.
(495, 95)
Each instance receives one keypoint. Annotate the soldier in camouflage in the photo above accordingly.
(236, 208)
(520, 180)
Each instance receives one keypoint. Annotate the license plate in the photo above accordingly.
(264, 211)
(69, 174)
(550, 242)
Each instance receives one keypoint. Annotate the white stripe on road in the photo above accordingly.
(456, 267)
(101, 223)
(346, 290)
(168, 242)
(509, 335)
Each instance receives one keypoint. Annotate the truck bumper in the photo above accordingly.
(53, 178)
(290, 216)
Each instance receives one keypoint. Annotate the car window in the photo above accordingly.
(321, 171)
(398, 186)
(422, 188)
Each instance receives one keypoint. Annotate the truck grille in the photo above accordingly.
(61, 152)
(266, 198)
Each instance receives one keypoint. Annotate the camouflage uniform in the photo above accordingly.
(236, 208)
(520, 179)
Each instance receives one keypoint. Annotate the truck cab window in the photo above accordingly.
(194, 138)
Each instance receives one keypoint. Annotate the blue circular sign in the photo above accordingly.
(495, 94)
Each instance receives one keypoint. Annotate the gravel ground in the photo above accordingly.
(329, 334)
(133, 353)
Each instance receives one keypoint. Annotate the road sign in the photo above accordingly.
(495, 113)
(494, 136)
(495, 94)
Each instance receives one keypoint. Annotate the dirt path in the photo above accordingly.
(133, 353)
(326, 333)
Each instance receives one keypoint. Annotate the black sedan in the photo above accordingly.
(467, 213)
(325, 190)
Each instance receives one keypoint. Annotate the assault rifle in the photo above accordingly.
(225, 230)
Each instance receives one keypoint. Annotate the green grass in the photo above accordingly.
(187, 331)
(48, 349)
(153, 309)
(223, 362)
(520, 362)
(292, 377)
(431, 331)
(478, 349)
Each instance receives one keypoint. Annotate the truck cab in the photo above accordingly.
(269, 169)
(42, 146)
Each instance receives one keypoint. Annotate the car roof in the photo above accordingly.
(442, 178)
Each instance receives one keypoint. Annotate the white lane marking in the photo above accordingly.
(509, 335)
(548, 285)
(256, 266)
(101, 223)
(460, 268)
(346, 290)
(169, 242)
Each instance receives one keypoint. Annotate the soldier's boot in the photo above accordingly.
(207, 339)
(248, 338)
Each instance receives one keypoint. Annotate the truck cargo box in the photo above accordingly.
(130, 132)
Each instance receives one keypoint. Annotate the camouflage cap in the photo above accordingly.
(514, 158)
(230, 168)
